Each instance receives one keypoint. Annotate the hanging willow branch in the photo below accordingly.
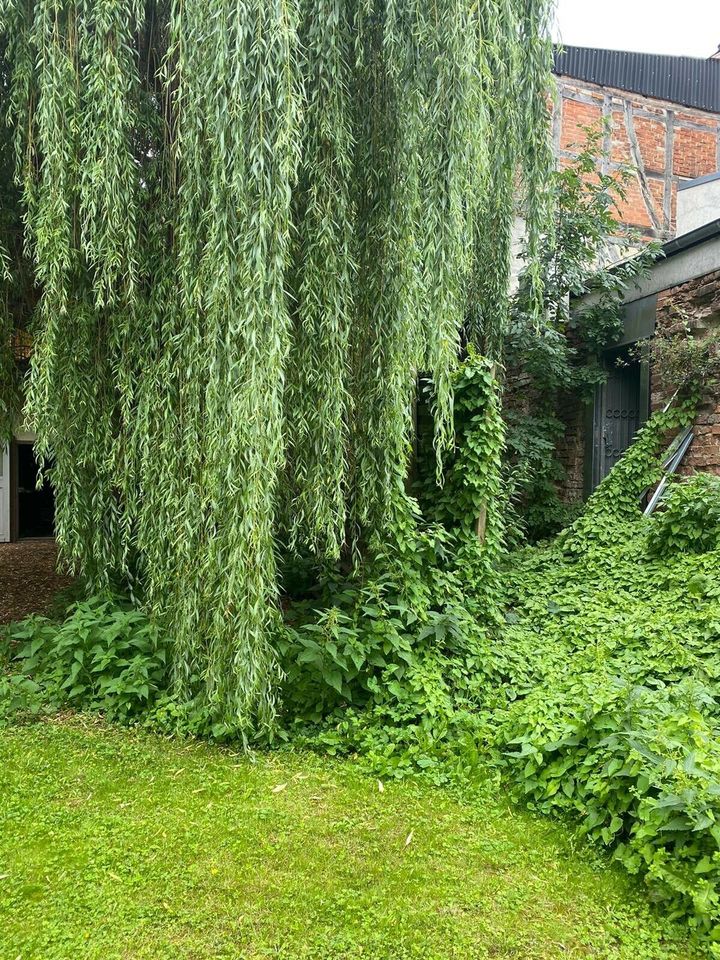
(252, 224)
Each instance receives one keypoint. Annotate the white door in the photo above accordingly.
(4, 494)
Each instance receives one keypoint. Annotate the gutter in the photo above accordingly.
(689, 240)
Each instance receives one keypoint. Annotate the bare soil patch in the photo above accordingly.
(29, 579)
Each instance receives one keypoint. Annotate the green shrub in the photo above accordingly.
(391, 665)
(640, 768)
(689, 521)
(105, 656)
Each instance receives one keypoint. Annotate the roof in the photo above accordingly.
(709, 231)
(689, 81)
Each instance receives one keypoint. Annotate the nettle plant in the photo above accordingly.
(106, 656)
(689, 521)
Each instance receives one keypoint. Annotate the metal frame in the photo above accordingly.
(673, 458)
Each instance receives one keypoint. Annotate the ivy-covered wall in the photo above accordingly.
(692, 309)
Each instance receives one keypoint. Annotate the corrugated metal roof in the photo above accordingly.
(684, 80)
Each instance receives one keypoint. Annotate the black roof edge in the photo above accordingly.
(693, 239)
(690, 81)
(709, 231)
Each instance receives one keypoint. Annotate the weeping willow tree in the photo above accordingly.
(251, 224)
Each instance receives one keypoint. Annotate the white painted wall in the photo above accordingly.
(517, 243)
(4, 494)
(698, 204)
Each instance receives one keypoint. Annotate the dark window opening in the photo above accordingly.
(35, 508)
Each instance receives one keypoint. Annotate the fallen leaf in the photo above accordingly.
(279, 788)
(381, 786)
(408, 839)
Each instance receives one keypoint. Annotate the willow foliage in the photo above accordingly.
(252, 223)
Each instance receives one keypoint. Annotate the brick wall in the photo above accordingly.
(666, 143)
(571, 448)
(697, 303)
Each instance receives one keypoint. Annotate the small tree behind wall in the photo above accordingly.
(588, 251)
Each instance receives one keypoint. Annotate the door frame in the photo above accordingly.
(638, 328)
(15, 492)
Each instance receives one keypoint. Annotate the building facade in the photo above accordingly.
(680, 296)
(667, 141)
(662, 117)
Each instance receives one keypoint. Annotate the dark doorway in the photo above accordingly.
(35, 508)
(620, 409)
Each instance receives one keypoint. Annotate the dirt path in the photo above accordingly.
(28, 578)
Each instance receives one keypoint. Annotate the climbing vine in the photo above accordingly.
(252, 224)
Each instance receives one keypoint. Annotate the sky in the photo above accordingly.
(687, 28)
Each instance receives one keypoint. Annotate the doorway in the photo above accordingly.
(621, 408)
(34, 508)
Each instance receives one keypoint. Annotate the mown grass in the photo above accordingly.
(119, 844)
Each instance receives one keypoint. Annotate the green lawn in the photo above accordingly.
(116, 844)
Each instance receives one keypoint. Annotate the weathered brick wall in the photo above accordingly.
(665, 142)
(571, 448)
(697, 304)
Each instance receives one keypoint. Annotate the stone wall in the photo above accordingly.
(665, 142)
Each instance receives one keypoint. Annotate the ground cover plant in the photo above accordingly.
(116, 843)
(587, 684)
(607, 673)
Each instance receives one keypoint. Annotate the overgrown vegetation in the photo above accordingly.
(105, 656)
(690, 519)
(686, 360)
(586, 682)
(608, 671)
(251, 234)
